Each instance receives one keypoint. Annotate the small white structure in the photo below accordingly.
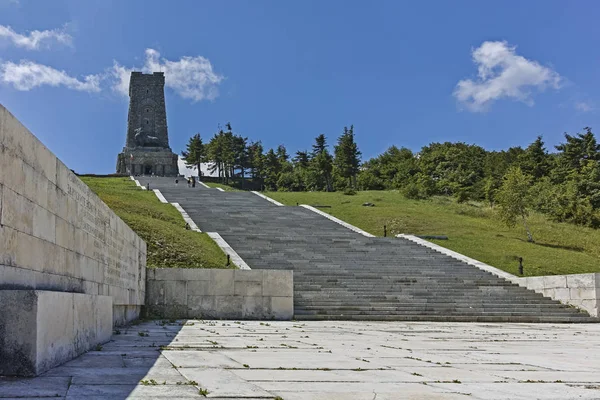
(204, 167)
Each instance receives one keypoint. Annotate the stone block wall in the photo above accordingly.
(42, 329)
(220, 294)
(580, 290)
(56, 234)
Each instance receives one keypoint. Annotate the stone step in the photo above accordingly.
(450, 318)
(301, 308)
(474, 313)
(337, 269)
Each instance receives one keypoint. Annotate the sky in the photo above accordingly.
(404, 73)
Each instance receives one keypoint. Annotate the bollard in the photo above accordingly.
(228, 260)
(521, 266)
(384, 231)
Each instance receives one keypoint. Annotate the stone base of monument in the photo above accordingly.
(147, 161)
(42, 329)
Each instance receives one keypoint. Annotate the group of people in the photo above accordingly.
(191, 181)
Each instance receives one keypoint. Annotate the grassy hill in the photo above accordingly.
(473, 230)
(160, 225)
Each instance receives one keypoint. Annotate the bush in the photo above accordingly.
(462, 196)
(412, 191)
(349, 192)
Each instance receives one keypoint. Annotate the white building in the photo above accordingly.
(187, 172)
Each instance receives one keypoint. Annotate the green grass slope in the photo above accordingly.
(160, 225)
(473, 230)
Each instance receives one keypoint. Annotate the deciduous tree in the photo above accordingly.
(513, 199)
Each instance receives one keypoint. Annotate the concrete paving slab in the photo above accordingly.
(332, 360)
(523, 391)
(220, 383)
(415, 393)
(34, 387)
(204, 359)
(130, 376)
(325, 375)
(97, 392)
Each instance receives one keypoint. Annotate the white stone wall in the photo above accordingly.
(55, 233)
(220, 293)
(579, 290)
(43, 329)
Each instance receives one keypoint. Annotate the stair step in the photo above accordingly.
(340, 274)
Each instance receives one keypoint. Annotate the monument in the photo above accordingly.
(147, 150)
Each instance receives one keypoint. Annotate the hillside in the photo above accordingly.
(160, 225)
(473, 230)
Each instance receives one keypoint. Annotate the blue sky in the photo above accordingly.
(406, 73)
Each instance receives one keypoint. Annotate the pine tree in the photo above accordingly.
(195, 153)
(282, 153)
(214, 153)
(347, 157)
(301, 159)
(535, 161)
(578, 149)
(320, 145)
(272, 167)
(241, 157)
(256, 160)
(321, 165)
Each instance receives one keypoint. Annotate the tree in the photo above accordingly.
(395, 168)
(455, 168)
(215, 153)
(272, 167)
(301, 159)
(321, 166)
(256, 160)
(240, 154)
(320, 145)
(282, 154)
(576, 151)
(513, 199)
(347, 157)
(535, 160)
(195, 153)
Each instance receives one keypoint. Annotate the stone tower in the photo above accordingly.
(147, 150)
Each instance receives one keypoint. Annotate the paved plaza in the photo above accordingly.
(330, 360)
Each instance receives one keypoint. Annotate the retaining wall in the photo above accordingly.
(56, 235)
(580, 290)
(219, 294)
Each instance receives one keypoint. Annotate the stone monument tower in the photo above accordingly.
(147, 150)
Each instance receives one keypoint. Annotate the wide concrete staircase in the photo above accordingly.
(340, 274)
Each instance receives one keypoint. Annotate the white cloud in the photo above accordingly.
(9, 2)
(583, 106)
(35, 39)
(27, 75)
(190, 77)
(503, 74)
(121, 77)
